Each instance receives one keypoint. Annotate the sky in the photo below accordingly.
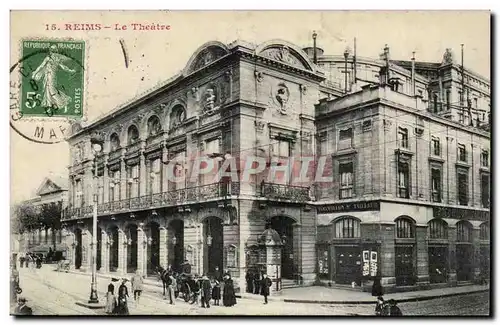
(157, 55)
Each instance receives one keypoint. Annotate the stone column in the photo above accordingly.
(452, 261)
(476, 247)
(106, 180)
(387, 255)
(88, 185)
(422, 251)
(142, 171)
(163, 247)
(87, 250)
(122, 253)
(105, 249)
(141, 250)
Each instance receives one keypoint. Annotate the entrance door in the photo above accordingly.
(154, 248)
(348, 265)
(214, 243)
(438, 264)
(176, 244)
(464, 262)
(78, 248)
(404, 266)
(284, 227)
(132, 249)
(113, 250)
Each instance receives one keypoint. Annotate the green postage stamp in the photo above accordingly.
(52, 78)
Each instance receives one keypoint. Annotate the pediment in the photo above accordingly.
(48, 187)
(285, 52)
(205, 55)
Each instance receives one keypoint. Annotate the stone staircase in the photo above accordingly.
(288, 284)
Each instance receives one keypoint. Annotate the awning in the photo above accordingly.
(45, 248)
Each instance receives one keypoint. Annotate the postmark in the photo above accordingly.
(47, 89)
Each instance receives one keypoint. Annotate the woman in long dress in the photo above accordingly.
(110, 299)
(122, 308)
(47, 72)
(228, 296)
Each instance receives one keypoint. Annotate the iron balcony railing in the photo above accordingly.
(285, 192)
(159, 200)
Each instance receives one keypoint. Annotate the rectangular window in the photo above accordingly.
(462, 153)
(475, 102)
(436, 184)
(485, 158)
(435, 100)
(346, 172)
(212, 147)
(404, 180)
(154, 184)
(114, 185)
(403, 138)
(460, 118)
(345, 139)
(281, 148)
(463, 188)
(79, 194)
(448, 99)
(436, 148)
(132, 181)
(485, 190)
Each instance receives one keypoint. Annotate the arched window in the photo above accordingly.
(154, 126)
(115, 142)
(133, 135)
(347, 227)
(464, 231)
(438, 229)
(177, 116)
(404, 228)
(484, 231)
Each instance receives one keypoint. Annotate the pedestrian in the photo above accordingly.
(265, 287)
(379, 307)
(122, 307)
(216, 293)
(172, 284)
(22, 309)
(249, 279)
(14, 283)
(110, 299)
(21, 261)
(195, 286)
(377, 289)
(228, 295)
(137, 282)
(392, 309)
(206, 292)
(256, 282)
(217, 274)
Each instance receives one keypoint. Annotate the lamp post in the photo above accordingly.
(96, 143)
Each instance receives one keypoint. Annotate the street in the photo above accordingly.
(53, 293)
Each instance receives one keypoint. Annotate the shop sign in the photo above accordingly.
(366, 263)
(373, 264)
(458, 213)
(350, 207)
(370, 263)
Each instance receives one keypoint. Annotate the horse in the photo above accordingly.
(163, 275)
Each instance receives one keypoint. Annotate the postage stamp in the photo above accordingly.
(52, 81)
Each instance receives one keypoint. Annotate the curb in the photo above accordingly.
(366, 302)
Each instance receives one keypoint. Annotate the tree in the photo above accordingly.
(26, 218)
(50, 218)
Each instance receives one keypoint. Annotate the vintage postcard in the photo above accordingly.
(240, 163)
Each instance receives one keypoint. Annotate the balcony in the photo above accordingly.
(190, 195)
(285, 192)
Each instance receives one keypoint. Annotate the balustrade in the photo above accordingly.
(285, 192)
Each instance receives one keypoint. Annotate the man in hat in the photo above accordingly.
(265, 287)
(206, 292)
(22, 309)
(392, 309)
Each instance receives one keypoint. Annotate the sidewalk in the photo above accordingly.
(324, 295)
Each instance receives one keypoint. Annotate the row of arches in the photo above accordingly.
(153, 245)
(152, 127)
(349, 227)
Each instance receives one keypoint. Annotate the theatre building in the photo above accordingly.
(410, 196)
(228, 101)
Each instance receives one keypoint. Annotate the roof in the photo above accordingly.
(52, 183)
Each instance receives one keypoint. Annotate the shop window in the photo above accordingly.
(323, 262)
(438, 229)
(347, 228)
(484, 231)
(404, 228)
(464, 232)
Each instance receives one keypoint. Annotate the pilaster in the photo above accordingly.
(142, 171)
(122, 252)
(452, 260)
(106, 179)
(476, 246)
(422, 255)
(141, 250)
(123, 176)
(163, 247)
(105, 248)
